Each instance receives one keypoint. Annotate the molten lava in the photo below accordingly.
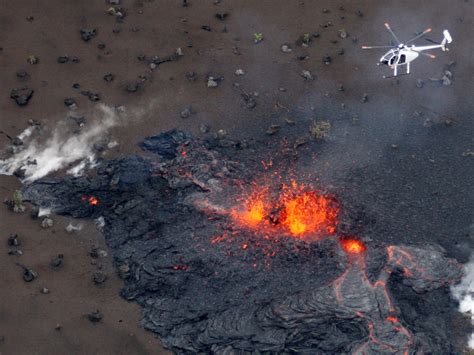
(296, 209)
(352, 246)
(308, 212)
(93, 201)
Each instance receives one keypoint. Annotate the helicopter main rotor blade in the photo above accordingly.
(432, 56)
(387, 26)
(430, 40)
(428, 30)
(372, 47)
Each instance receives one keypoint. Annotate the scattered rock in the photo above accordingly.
(99, 277)
(97, 252)
(365, 98)
(221, 134)
(32, 59)
(47, 223)
(419, 83)
(206, 28)
(341, 87)
(211, 82)
(203, 128)
(320, 130)
(63, 59)
(186, 113)
(191, 76)
(342, 33)
(44, 291)
(22, 75)
(70, 103)
(13, 240)
(73, 228)
(57, 327)
(394, 146)
(327, 59)
(92, 96)
(325, 11)
(95, 316)
(285, 48)
(124, 271)
(22, 95)
(306, 75)
(88, 33)
(29, 274)
(274, 128)
(239, 72)
(132, 87)
(15, 252)
(249, 100)
(221, 15)
(57, 262)
(447, 78)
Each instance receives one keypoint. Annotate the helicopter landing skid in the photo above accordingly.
(394, 76)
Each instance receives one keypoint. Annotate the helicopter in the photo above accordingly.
(403, 53)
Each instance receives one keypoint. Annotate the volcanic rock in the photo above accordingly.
(47, 223)
(208, 286)
(13, 240)
(22, 95)
(88, 33)
(109, 77)
(32, 59)
(22, 75)
(63, 59)
(99, 277)
(57, 262)
(95, 316)
(70, 103)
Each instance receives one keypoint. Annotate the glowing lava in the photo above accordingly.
(296, 209)
(93, 201)
(353, 246)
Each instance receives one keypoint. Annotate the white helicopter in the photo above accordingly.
(404, 54)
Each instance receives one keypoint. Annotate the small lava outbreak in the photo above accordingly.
(91, 200)
(295, 209)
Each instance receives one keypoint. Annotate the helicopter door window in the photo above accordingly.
(403, 58)
(393, 60)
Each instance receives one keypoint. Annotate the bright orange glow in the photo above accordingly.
(93, 201)
(353, 246)
(295, 208)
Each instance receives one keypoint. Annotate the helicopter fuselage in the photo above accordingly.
(399, 56)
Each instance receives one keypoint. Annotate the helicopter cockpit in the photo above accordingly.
(390, 58)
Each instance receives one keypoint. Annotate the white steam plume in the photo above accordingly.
(38, 160)
(464, 293)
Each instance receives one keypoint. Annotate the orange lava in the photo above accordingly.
(308, 212)
(295, 209)
(93, 201)
(353, 246)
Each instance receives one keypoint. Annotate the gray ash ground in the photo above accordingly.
(203, 291)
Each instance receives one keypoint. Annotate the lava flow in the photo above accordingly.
(297, 210)
(385, 330)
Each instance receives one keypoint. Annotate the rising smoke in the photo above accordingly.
(464, 293)
(40, 159)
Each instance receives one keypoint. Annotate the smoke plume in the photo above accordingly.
(40, 159)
